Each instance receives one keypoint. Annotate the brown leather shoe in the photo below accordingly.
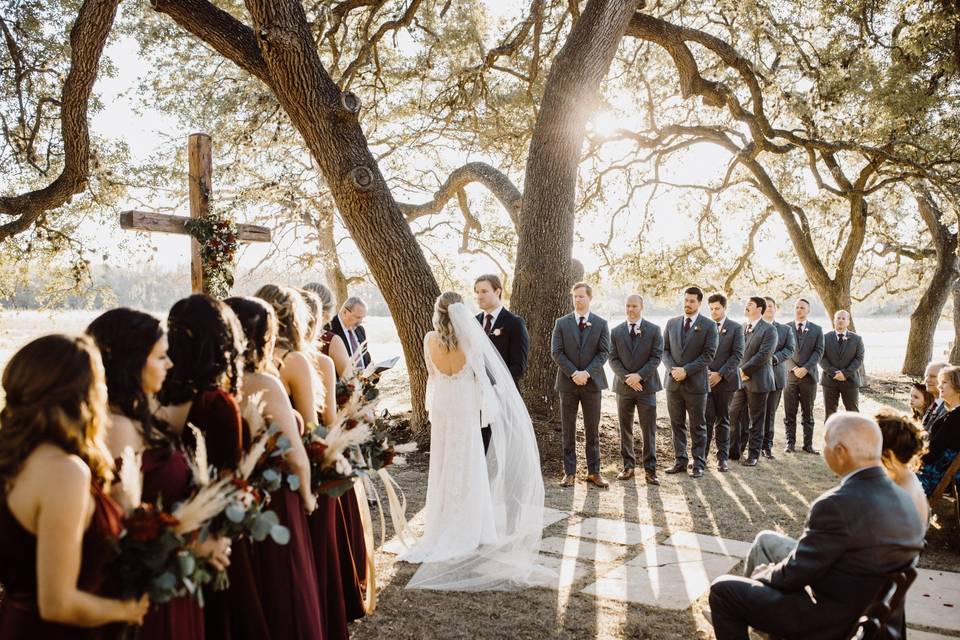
(651, 478)
(567, 481)
(626, 474)
(597, 480)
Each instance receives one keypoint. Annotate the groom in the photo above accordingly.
(580, 346)
(506, 331)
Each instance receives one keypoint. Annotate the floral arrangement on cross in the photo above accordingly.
(219, 240)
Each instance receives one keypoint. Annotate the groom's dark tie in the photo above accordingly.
(488, 324)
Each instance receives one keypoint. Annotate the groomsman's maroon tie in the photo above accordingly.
(488, 324)
(749, 328)
(686, 326)
(583, 324)
(633, 330)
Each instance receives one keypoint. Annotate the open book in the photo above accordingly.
(380, 367)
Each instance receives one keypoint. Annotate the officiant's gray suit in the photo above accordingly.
(639, 354)
(693, 350)
(575, 349)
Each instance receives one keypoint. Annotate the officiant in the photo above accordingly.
(348, 324)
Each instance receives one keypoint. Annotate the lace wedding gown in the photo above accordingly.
(484, 514)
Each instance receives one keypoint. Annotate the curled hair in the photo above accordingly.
(206, 348)
(259, 322)
(441, 319)
(928, 400)
(901, 435)
(293, 316)
(125, 338)
(325, 295)
(54, 390)
(315, 308)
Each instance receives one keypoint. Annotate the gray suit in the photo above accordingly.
(786, 345)
(638, 354)
(847, 358)
(800, 393)
(757, 357)
(693, 350)
(855, 534)
(575, 350)
(726, 362)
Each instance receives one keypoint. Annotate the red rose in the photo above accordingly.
(316, 450)
(146, 523)
(349, 424)
(388, 455)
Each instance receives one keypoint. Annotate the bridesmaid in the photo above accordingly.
(57, 525)
(322, 363)
(207, 346)
(286, 573)
(136, 361)
(330, 343)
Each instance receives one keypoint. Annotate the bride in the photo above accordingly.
(484, 515)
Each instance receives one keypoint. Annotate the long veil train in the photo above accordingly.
(516, 483)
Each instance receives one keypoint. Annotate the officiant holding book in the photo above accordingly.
(348, 324)
(507, 331)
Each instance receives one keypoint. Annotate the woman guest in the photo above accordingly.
(286, 573)
(920, 400)
(902, 446)
(944, 443)
(136, 362)
(57, 524)
(330, 343)
(207, 347)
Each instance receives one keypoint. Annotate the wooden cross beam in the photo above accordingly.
(201, 187)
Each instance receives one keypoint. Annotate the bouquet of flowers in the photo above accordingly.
(219, 240)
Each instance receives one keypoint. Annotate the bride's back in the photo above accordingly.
(446, 362)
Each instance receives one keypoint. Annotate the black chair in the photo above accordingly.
(883, 618)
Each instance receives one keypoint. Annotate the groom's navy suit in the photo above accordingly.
(575, 349)
(509, 336)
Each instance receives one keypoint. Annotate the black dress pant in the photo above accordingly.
(718, 422)
(799, 394)
(755, 405)
(832, 396)
(773, 403)
(683, 406)
(570, 403)
(627, 405)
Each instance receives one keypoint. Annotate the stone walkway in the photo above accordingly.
(639, 563)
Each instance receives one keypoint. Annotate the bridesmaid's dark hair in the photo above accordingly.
(259, 322)
(206, 348)
(54, 393)
(125, 338)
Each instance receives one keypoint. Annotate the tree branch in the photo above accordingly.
(493, 179)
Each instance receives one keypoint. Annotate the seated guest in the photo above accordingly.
(902, 446)
(58, 527)
(920, 401)
(855, 534)
(944, 441)
(330, 344)
(930, 380)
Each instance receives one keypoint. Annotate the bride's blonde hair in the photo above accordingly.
(441, 319)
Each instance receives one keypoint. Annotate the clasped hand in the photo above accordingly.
(634, 381)
(580, 378)
(679, 374)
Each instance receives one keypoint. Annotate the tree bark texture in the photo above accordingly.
(547, 216)
(333, 271)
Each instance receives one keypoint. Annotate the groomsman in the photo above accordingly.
(507, 331)
(938, 408)
(636, 347)
(689, 344)
(348, 324)
(786, 346)
(802, 377)
(756, 372)
(580, 346)
(842, 359)
(723, 376)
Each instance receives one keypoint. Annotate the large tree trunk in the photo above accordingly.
(923, 320)
(543, 269)
(955, 351)
(322, 115)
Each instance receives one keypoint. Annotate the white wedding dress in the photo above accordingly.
(484, 515)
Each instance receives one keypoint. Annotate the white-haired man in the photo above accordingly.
(938, 408)
(816, 587)
(348, 324)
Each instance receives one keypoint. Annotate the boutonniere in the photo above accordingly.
(723, 332)
(496, 332)
(696, 328)
(588, 325)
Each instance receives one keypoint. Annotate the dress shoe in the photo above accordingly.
(789, 449)
(677, 468)
(750, 462)
(597, 480)
(722, 465)
(767, 453)
(651, 478)
(626, 474)
(567, 481)
(815, 452)
(697, 472)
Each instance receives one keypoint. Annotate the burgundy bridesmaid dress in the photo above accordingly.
(167, 477)
(234, 614)
(19, 614)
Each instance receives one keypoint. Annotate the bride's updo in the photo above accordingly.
(441, 319)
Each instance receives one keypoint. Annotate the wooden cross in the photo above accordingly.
(201, 187)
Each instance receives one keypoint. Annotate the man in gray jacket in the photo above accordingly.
(786, 345)
(756, 372)
(802, 378)
(842, 358)
(689, 344)
(724, 377)
(580, 346)
(636, 347)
